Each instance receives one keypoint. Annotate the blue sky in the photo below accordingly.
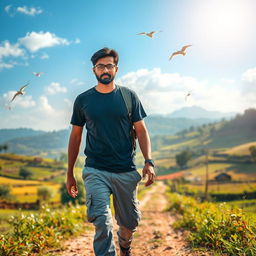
(58, 38)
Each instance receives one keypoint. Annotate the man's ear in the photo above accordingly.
(93, 70)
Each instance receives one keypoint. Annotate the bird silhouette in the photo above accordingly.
(188, 94)
(20, 92)
(149, 34)
(38, 74)
(8, 107)
(182, 51)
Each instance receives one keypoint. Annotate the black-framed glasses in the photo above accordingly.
(102, 66)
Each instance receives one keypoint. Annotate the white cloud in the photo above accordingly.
(8, 8)
(34, 41)
(44, 106)
(32, 11)
(5, 65)
(42, 115)
(165, 92)
(55, 88)
(249, 75)
(68, 102)
(7, 50)
(77, 41)
(44, 56)
(10, 51)
(76, 81)
(21, 101)
(249, 84)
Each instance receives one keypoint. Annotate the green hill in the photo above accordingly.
(8, 134)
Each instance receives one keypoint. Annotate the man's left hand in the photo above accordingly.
(149, 170)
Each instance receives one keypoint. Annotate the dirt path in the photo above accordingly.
(154, 236)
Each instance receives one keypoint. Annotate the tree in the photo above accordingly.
(213, 130)
(65, 197)
(253, 152)
(3, 147)
(200, 131)
(183, 157)
(45, 193)
(25, 173)
(191, 128)
(5, 191)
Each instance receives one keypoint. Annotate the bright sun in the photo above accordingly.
(223, 27)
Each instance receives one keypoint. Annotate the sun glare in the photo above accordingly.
(223, 28)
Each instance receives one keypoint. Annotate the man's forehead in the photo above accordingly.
(106, 60)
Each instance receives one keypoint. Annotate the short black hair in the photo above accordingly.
(104, 52)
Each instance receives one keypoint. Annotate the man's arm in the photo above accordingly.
(73, 150)
(145, 146)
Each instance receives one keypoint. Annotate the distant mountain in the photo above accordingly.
(160, 125)
(196, 112)
(8, 134)
(218, 135)
(38, 144)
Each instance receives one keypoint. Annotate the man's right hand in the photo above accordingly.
(71, 186)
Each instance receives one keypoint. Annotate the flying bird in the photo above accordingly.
(20, 92)
(38, 74)
(149, 34)
(182, 51)
(8, 107)
(188, 94)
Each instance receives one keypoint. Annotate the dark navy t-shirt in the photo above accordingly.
(108, 140)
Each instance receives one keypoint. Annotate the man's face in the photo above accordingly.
(105, 70)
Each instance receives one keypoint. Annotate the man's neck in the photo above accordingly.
(105, 88)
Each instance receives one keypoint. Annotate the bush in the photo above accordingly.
(45, 193)
(218, 227)
(66, 198)
(5, 191)
(25, 173)
(34, 232)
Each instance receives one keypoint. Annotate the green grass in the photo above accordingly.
(32, 233)
(248, 207)
(5, 215)
(219, 227)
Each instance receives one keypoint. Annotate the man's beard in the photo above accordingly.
(105, 80)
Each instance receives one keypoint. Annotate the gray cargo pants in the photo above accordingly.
(99, 185)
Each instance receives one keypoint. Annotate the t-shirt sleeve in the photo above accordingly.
(78, 117)
(138, 112)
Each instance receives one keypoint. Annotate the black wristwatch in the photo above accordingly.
(150, 161)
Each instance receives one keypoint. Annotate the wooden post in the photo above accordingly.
(206, 176)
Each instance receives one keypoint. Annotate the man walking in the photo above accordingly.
(111, 114)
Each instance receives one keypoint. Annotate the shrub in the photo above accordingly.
(219, 227)
(32, 233)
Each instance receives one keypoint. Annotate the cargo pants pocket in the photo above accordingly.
(89, 208)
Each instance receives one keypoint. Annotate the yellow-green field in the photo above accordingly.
(224, 188)
(6, 181)
(187, 143)
(240, 150)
